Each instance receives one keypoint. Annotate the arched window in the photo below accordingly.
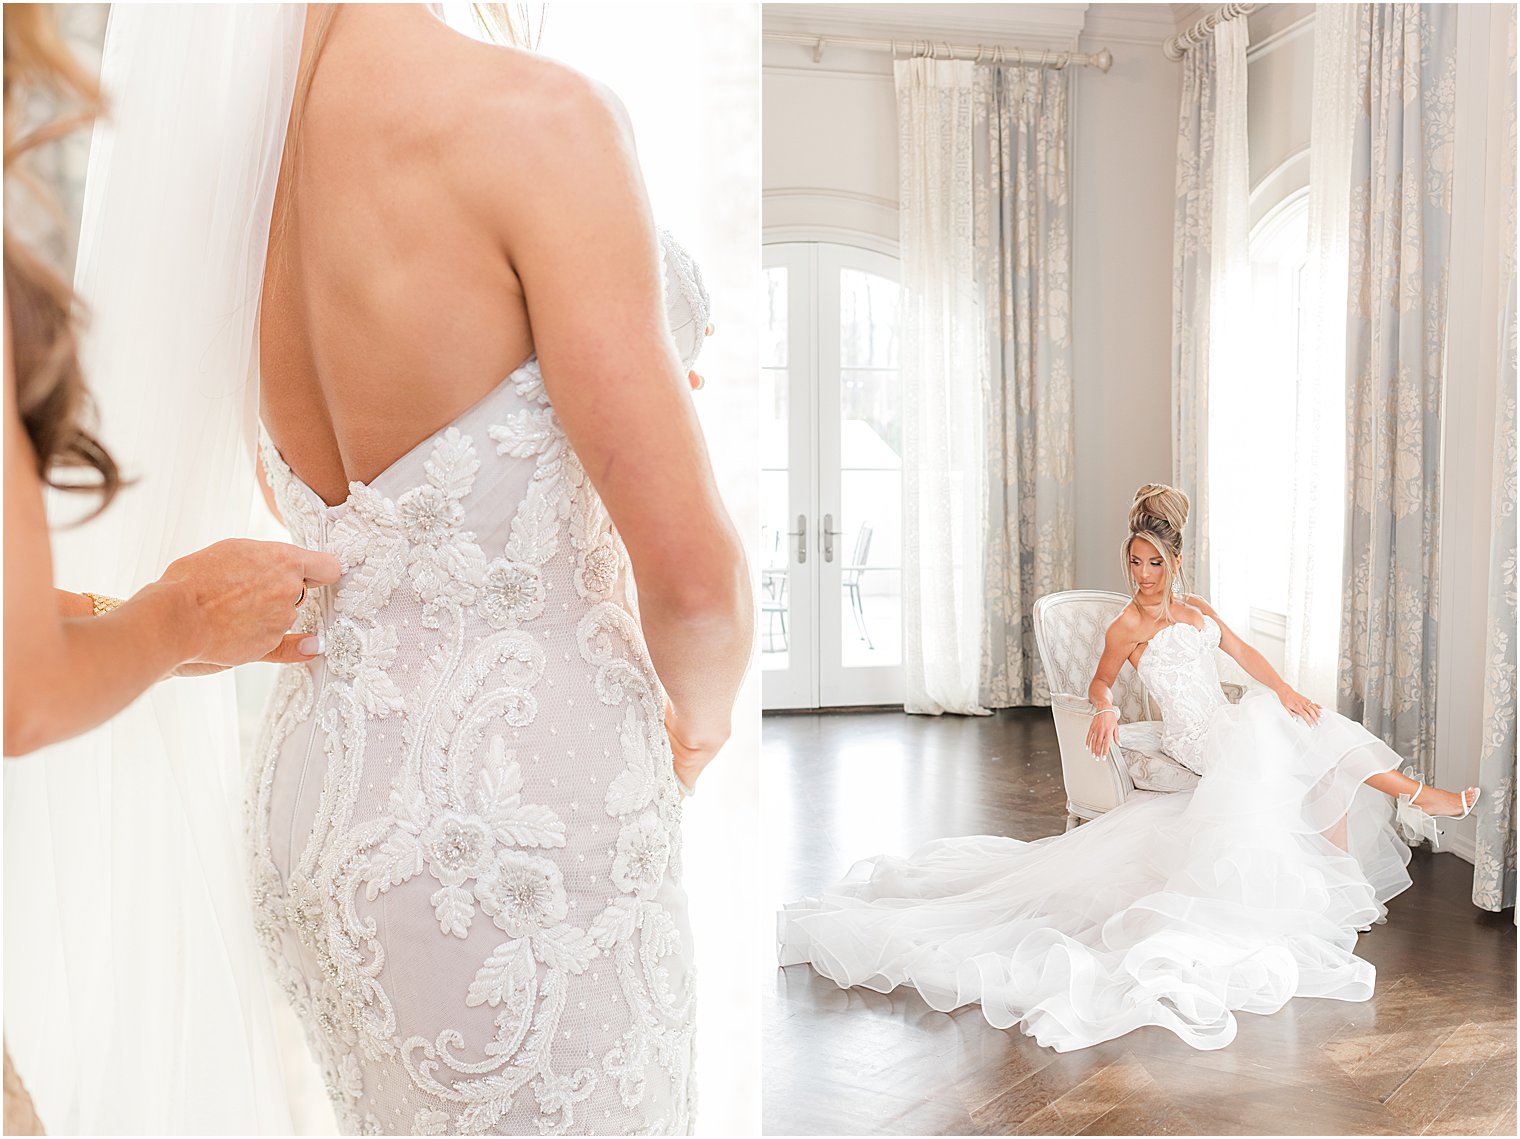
(1258, 462)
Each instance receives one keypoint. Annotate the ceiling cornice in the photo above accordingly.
(1131, 23)
(1184, 16)
(1053, 25)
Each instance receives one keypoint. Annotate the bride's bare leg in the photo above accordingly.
(1433, 800)
(1337, 833)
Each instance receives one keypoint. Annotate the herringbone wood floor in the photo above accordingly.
(1433, 1052)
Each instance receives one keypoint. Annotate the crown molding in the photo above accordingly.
(1184, 16)
(1130, 23)
(1035, 25)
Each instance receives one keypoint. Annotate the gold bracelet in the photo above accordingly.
(100, 604)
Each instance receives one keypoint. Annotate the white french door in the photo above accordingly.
(831, 478)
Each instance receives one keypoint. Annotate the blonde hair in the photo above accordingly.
(50, 388)
(1158, 515)
(500, 23)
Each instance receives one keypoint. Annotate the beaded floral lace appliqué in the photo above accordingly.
(456, 815)
(1187, 693)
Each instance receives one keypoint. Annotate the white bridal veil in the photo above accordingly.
(135, 998)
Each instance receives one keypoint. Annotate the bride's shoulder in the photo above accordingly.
(1204, 608)
(1126, 623)
(529, 99)
(538, 131)
(546, 156)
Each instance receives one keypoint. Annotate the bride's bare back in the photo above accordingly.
(453, 196)
(390, 304)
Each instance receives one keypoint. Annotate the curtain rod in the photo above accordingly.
(1176, 47)
(977, 53)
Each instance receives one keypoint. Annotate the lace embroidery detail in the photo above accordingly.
(449, 675)
(1182, 676)
(684, 294)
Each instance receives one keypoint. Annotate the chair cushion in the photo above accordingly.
(1150, 767)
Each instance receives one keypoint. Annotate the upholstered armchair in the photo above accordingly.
(1069, 629)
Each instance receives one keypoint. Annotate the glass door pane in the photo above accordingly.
(775, 592)
(870, 469)
(860, 477)
(788, 579)
(831, 478)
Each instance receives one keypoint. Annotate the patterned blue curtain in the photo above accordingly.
(1494, 865)
(1023, 222)
(1400, 245)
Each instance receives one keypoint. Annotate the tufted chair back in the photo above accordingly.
(1068, 629)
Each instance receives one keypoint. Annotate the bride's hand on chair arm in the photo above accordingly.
(577, 230)
(67, 671)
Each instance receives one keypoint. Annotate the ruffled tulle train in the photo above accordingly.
(1178, 910)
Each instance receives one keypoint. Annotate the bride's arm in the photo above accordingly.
(578, 233)
(1104, 727)
(1258, 668)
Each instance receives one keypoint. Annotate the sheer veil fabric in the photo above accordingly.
(135, 993)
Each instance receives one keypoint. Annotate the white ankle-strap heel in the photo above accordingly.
(1419, 823)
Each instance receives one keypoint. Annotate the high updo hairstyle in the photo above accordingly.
(1158, 515)
(50, 389)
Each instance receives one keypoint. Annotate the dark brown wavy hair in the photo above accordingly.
(50, 389)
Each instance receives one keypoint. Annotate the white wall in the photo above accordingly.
(1124, 168)
(828, 145)
(1279, 85)
(829, 169)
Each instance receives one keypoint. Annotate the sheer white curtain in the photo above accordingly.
(944, 475)
(1192, 265)
(1312, 651)
(1227, 524)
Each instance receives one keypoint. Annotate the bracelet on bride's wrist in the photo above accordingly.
(1100, 712)
(100, 604)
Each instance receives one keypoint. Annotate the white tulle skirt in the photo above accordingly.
(1175, 910)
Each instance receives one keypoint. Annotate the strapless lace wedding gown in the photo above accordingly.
(464, 819)
(1177, 910)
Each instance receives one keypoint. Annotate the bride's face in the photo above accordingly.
(1147, 566)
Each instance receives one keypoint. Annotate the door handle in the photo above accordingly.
(829, 534)
(801, 535)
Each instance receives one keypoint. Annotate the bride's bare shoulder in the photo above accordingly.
(538, 136)
(1193, 601)
(535, 104)
(1126, 626)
